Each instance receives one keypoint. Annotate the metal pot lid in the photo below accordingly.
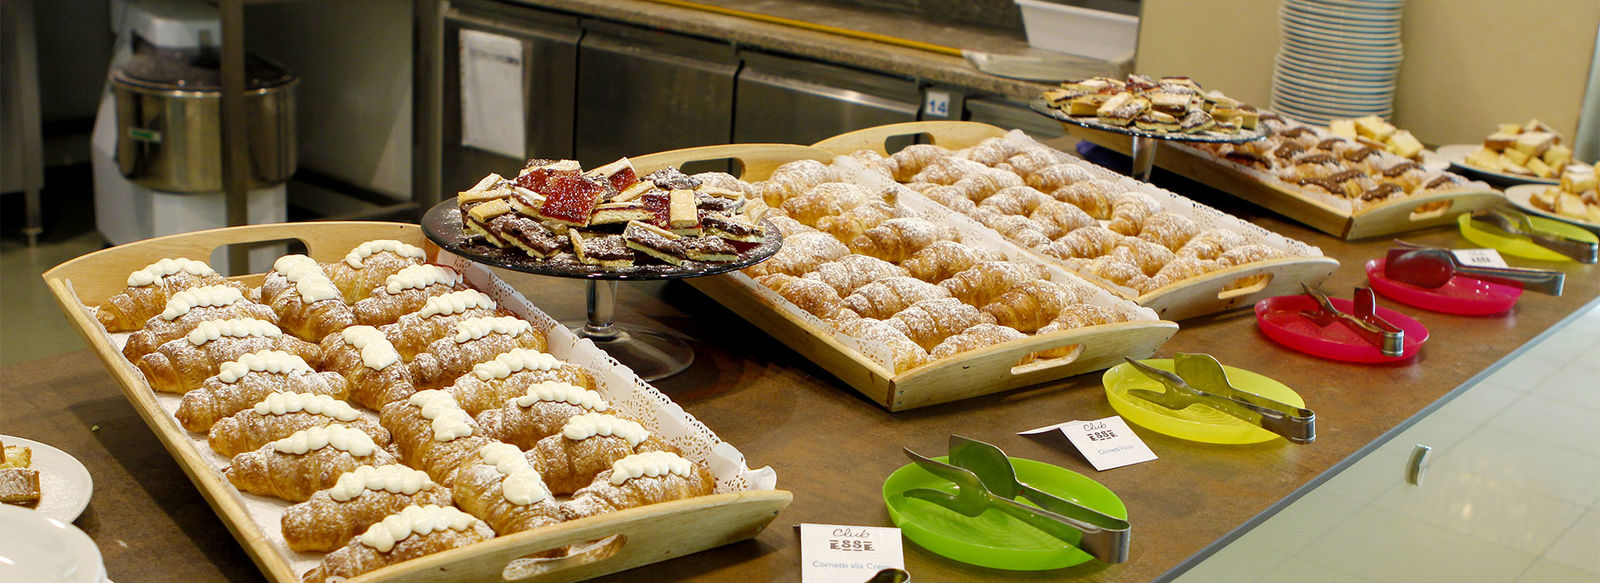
(195, 70)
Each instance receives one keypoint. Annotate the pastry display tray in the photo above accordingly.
(862, 365)
(1396, 216)
(745, 503)
(1225, 289)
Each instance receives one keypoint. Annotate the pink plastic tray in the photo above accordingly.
(1463, 295)
(1280, 319)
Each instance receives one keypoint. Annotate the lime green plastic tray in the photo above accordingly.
(993, 539)
(1519, 247)
(1195, 422)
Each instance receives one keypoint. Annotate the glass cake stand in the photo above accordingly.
(1144, 143)
(652, 354)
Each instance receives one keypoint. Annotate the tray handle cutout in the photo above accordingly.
(533, 566)
(1431, 210)
(886, 139)
(750, 162)
(1246, 285)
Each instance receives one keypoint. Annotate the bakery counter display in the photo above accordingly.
(1142, 243)
(1145, 109)
(608, 224)
(1514, 154)
(899, 303)
(1352, 188)
(1575, 200)
(379, 409)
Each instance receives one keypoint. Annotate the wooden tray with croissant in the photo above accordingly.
(743, 501)
(854, 314)
(1146, 244)
(1336, 215)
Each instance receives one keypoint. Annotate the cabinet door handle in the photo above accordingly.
(1417, 467)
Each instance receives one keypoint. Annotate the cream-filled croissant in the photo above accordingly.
(357, 500)
(180, 365)
(499, 486)
(640, 480)
(279, 415)
(414, 532)
(243, 382)
(149, 289)
(509, 375)
(295, 467)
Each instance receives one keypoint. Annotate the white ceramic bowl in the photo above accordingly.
(39, 549)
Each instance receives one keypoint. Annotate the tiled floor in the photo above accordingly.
(1511, 495)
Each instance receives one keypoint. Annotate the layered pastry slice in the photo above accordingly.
(602, 250)
(654, 241)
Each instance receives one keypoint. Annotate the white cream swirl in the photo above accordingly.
(377, 353)
(420, 276)
(236, 328)
(514, 360)
(354, 441)
(357, 257)
(587, 425)
(649, 464)
(475, 328)
(394, 478)
(268, 361)
(414, 520)
(559, 392)
(446, 417)
(315, 404)
(168, 266)
(456, 302)
(309, 280)
(522, 484)
(212, 295)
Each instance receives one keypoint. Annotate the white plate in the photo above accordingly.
(1358, 40)
(1293, 84)
(1337, 73)
(1363, 15)
(1432, 161)
(64, 484)
(37, 548)
(1457, 155)
(1521, 194)
(1394, 52)
(1336, 26)
(1344, 58)
(1340, 63)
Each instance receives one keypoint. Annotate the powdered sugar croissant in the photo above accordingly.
(510, 375)
(249, 379)
(374, 368)
(942, 259)
(895, 240)
(433, 433)
(885, 297)
(539, 412)
(587, 445)
(472, 341)
(982, 283)
(406, 292)
(929, 322)
(295, 467)
(181, 365)
(640, 480)
(185, 311)
(149, 288)
(279, 415)
(371, 263)
(499, 486)
(414, 532)
(413, 332)
(1031, 305)
(356, 501)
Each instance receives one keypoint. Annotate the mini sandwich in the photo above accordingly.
(654, 241)
(602, 250)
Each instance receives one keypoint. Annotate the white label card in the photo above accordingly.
(1107, 443)
(833, 553)
(936, 104)
(491, 94)
(1480, 257)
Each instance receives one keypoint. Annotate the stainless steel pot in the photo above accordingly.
(169, 120)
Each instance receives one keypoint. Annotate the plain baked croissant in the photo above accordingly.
(810, 295)
(929, 322)
(357, 557)
(883, 298)
(325, 522)
(895, 240)
(849, 273)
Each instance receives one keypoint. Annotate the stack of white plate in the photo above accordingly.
(1339, 59)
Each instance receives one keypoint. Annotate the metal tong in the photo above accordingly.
(1101, 536)
(1201, 380)
(1432, 267)
(1365, 322)
(1518, 224)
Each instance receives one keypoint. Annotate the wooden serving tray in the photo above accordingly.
(635, 537)
(1396, 216)
(1216, 291)
(978, 372)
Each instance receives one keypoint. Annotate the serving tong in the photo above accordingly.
(1518, 224)
(985, 479)
(1433, 267)
(1201, 380)
(1389, 339)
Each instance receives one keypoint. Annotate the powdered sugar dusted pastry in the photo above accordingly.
(406, 292)
(942, 259)
(982, 283)
(850, 272)
(357, 500)
(307, 303)
(149, 288)
(367, 266)
(974, 337)
(502, 488)
(185, 311)
(885, 297)
(1031, 305)
(587, 445)
(311, 459)
(472, 341)
(801, 253)
(929, 322)
(904, 354)
(414, 532)
(180, 365)
(366, 358)
(413, 332)
(539, 412)
(640, 480)
(508, 376)
(243, 382)
(279, 415)
(433, 433)
(810, 295)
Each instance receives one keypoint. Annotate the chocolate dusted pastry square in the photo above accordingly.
(655, 242)
(602, 250)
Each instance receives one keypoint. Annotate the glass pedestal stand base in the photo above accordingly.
(652, 354)
(1144, 158)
